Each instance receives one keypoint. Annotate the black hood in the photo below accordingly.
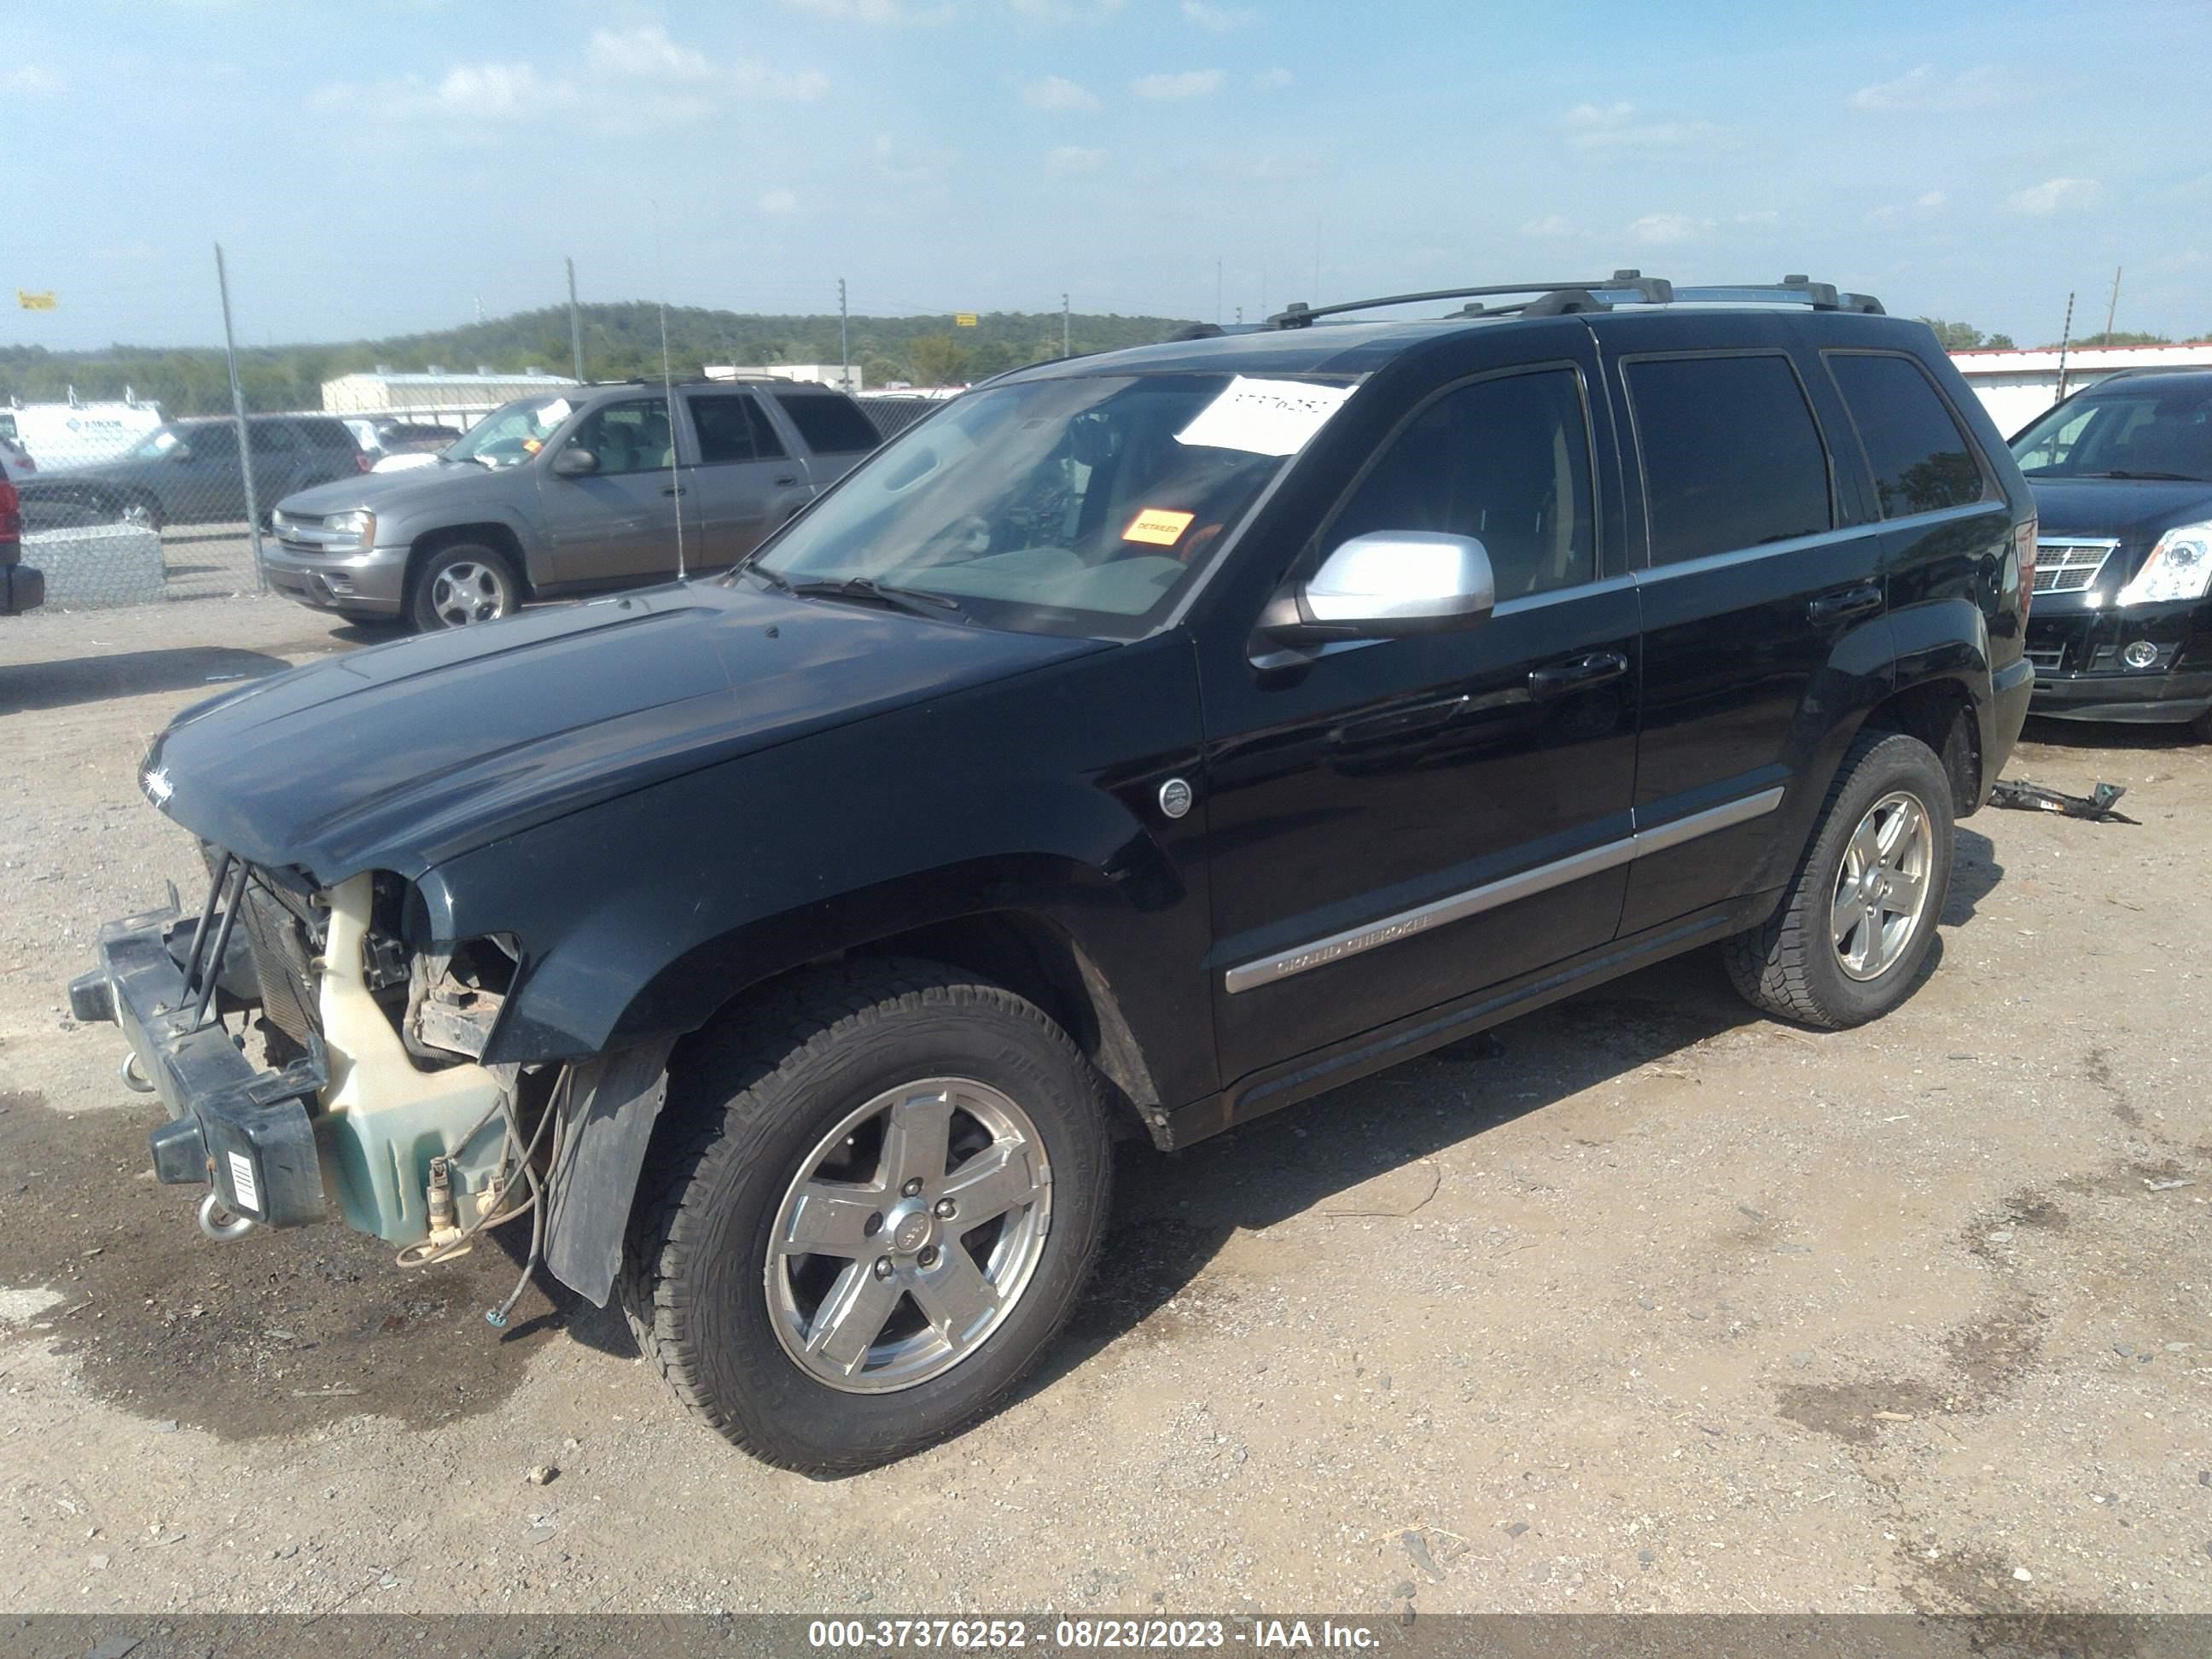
(2131, 509)
(402, 756)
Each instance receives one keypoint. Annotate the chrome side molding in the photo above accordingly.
(1457, 907)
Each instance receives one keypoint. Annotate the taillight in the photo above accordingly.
(2023, 548)
(11, 512)
(362, 460)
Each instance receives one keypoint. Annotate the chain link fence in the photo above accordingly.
(123, 504)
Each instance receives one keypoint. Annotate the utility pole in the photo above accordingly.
(238, 413)
(1217, 293)
(2065, 335)
(576, 321)
(1066, 349)
(844, 357)
(2115, 305)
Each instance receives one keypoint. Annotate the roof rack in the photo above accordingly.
(1623, 287)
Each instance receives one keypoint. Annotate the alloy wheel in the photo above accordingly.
(908, 1235)
(1881, 890)
(466, 591)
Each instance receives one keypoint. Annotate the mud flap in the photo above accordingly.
(612, 1103)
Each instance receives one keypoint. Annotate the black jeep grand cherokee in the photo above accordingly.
(1146, 740)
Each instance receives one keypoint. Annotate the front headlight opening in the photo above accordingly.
(2179, 568)
(360, 522)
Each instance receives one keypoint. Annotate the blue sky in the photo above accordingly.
(388, 164)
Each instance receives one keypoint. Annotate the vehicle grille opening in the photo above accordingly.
(2070, 567)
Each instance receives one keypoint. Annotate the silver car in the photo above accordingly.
(580, 491)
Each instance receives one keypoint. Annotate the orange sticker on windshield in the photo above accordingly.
(1157, 526)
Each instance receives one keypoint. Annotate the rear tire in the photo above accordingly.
(882, 1340)
(140, 512)
(461, 584)
(1847, 944)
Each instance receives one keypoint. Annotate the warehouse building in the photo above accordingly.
(380, 391)
(2016, 386)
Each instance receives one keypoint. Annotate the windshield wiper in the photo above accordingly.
(2162, 477)
(912, 600)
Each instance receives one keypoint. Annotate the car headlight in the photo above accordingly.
(2179, 567)
(360, 523)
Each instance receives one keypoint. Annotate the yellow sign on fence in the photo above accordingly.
(35, 301)
(964, 320)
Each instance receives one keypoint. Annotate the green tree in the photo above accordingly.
(1958, 337)
(939, 360)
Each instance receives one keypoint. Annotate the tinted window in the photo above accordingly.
(732, 428)
(328, 435)
(831, 426)
(215, 442)
(627, 437)
(273, 437)
(1921, 461)
(1506, 461)
(1731, 457)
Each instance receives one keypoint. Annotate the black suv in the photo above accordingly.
(1143, 742)
(2123, 479)
(187, 471)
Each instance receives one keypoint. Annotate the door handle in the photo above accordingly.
(789, 479)
(1857, 601)
(1560, 678)
(672, 489)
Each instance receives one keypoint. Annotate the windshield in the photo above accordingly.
(155, 444)
(2137, 430)
(1077, 506)
(511, 434)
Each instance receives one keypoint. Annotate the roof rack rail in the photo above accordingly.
(1623, 287)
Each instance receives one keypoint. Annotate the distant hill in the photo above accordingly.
(620, 340)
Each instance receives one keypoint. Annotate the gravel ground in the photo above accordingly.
(1649, 1305)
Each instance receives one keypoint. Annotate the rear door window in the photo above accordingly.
(731, 427)
(1732, 456)
(1922, 462)
(273, 437)
(831, 426)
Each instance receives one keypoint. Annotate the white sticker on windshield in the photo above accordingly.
(1265, 418)
(554, 413)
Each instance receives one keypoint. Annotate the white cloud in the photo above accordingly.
(1931, 200)
(2054, 196)
(876, 14)
(1925, 205)
(1926, 88)
(1658, 229)
(1613, 128)
(1058, 13)
(1757, 216)
(1222, 19)
(33, 80)
(646, 55)
(778, 201)
(468, 92)
(1073, 158)
(1552, 227)
(1185, 83)
(1058, 92)
(909, 165)
(1277, 76)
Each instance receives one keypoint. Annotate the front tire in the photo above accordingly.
(462, 584)
(873, 1202)
(1847, 944)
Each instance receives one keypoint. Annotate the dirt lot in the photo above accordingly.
(1658, 1306)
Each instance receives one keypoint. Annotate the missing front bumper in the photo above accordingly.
(244, 1132)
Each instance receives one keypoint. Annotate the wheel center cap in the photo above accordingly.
(911, 1231)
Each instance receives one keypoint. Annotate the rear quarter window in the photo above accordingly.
(1922, 460)
(831, 426)
(1732, 457)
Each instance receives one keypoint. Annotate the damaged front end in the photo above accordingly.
(373, 1099)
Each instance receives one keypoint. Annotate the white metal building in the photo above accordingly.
(381, 390)
(2016, 386)
(816, 374)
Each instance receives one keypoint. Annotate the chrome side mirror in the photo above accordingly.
(1387, 584)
